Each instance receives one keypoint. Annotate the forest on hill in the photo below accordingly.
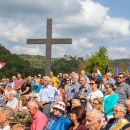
(35, 64)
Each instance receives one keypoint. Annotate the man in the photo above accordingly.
(62, 80)
(46, 96)
(83, 74)
(5, 113)
(17, 84)
(55, 80)
(13, 79)
(39, 119)
(118, 121)
(13, 101)
(127, 106)
(123, 89)
(110, 79)
(84, 90)
(73, 90)
(93, 120)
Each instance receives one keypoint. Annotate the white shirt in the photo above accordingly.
(91, 96)
(13, 103)
(6, 128)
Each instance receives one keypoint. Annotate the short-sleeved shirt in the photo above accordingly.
(55, 81)
(123, 92)
(73, 91)
(18, 82)
(23, 88)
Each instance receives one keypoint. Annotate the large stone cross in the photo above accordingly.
(49, 41)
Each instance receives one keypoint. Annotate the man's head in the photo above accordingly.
(13, 94)
(83, 81)
(46, 80)
(13, 78)
(82, 73)
(119, 111)
(5, 113)
(32, 108)
(51, 74)
(93, 119)
(127, 105)
(96, 75)
(121, 77)
(60, 75)
(109, 76)
(75, 78)
(18, 76)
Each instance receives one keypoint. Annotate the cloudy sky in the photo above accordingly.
(90, 24)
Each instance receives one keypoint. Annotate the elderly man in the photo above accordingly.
(127, 106)
(110, 79)
(84, 90)
(118, 121)
(83, 74)
(5, 113)
(93, 120)
(46, 97)
(123, 89)
(73, 90)
(39, 119)
(13, 101)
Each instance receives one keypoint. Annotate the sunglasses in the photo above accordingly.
(67, 80)
(120, 77)
(92, 84)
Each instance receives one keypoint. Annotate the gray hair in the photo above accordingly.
(109, 84)
(109, 74)
(47, 77)
(121, 107)
(83, 78)
(14, 92)
(96, 113)
(76, 76)
(8, 110)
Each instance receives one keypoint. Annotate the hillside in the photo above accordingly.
(14, 65)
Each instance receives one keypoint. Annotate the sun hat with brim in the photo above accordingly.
(21, 117)
(59, 105)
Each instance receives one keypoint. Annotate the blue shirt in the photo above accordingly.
(37, 88)
(46, 94)
(73, 91)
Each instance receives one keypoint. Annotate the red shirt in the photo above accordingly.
(39, 121)
(18, 83)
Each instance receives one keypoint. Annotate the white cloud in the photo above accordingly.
(32, 50)
(12, 32)
(118, 52)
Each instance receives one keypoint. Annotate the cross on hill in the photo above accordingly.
(49, 41)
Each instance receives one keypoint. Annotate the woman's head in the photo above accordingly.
(76, 102)
(24, 100)
(78, 114)
(94, 83)
(97, 104)
(109, 87)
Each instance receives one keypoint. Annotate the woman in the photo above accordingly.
(94, 83)
(97, 104)
(77, 117)
(109, 100)
(102, 85)
(58, 121)
(68, 81)
(25, 88)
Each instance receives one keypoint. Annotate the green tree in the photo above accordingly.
(99, 58)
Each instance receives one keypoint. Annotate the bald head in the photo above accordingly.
(33, 104)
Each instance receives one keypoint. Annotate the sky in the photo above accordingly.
(90, 24)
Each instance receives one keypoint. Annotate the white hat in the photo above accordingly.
(60, 105)
(39, 75)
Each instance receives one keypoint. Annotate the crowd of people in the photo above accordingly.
(65, 102)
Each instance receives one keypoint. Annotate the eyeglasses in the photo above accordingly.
(107, 87)
(120, 77)
(67, 80)
(92, 84)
